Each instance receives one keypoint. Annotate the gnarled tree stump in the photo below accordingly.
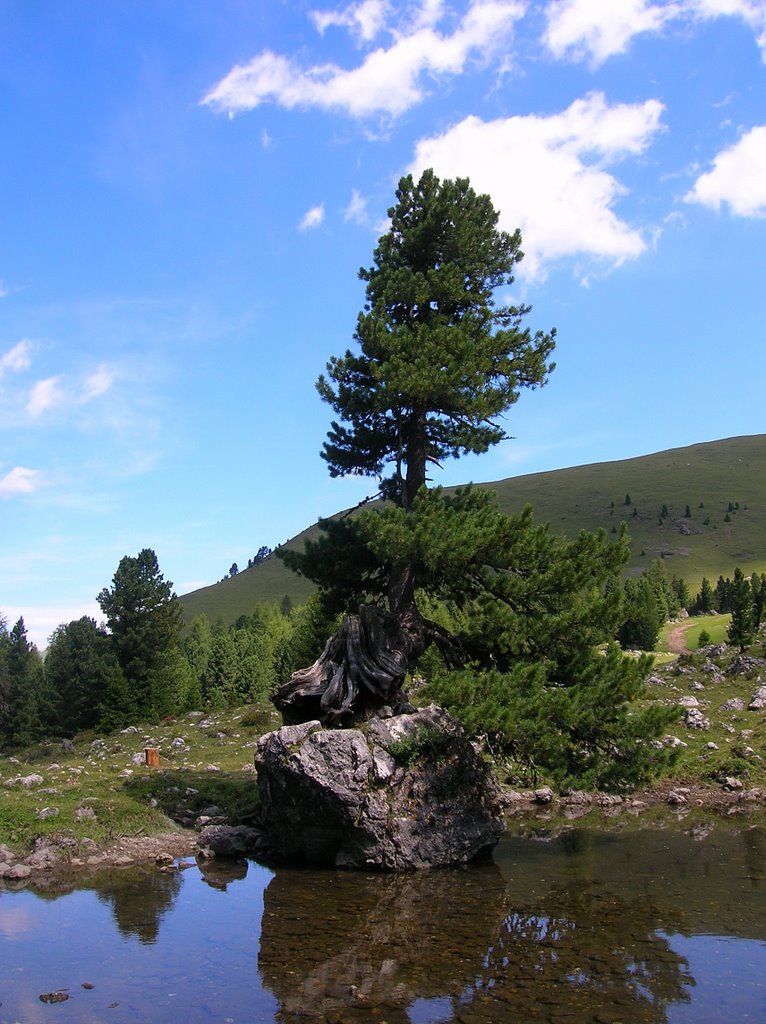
(361, 668)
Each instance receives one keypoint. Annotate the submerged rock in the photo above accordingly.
(403, 792)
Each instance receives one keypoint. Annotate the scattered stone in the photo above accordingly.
(578, 796)
(212, 768)
(229, 840)
(122, 860)
(46, 812)
(67, 747)
(758, 700)
(730, 783)
(696, 686)
(83, 813)
(15, 872)
(138, 758)
(694, 719)
(673, 742)
(87, 985)
(711, 746)
(54, 997)
(131, 730)
(655, 680)
(675, 798)
(689, 702)
(608, 800)
(163, 858)
(544, 795)
(745, 663)
(179, 743)
(750, 795)
(734, 704)
(29, 781)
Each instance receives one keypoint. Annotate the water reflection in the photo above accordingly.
(336, 945)
(139, 898)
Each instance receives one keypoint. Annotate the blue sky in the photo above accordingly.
(189, 188)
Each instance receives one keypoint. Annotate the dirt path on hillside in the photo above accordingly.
(677, 638)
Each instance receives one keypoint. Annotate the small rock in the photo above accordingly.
(544, 795)
(674, 797)
(694, 719)
(16, 871)
(735, 704)
(28, 781)
(46, 812)
(163, 858)
(749, 795)
(758, 700)
(711, 746)
(83, 813)
(138, 759)
(673, 742)
(87, 985)
(689, 702)
(54, 997)
(731, 783)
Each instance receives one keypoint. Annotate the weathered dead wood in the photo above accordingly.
(361, 668)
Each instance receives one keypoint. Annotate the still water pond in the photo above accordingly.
(647, 926)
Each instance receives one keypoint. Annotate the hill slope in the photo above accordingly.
(718, 480)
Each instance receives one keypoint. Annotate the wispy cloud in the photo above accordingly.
(389, 80)
(97, 383)
(356, 210)
(312, 218)
(738, 177)
(19, 480)
(560, 195)
(17, 358)
(44, 395)
(364, 19)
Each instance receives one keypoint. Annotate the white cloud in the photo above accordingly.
(44, 395)
(356, 210)
(388, 81)
(97, 383)
(17, 358)
(312, 218)
(596, 30)
(738, 177)
(364, 19)
(19, 480)
(536, 169)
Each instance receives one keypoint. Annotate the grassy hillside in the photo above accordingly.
(707, 478)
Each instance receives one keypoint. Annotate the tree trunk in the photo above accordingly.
(362, 667)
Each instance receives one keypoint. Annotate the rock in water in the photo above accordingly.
(398, 793)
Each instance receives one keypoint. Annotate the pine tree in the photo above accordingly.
(439, 362)
(25, 707)
(144, 619)
(81, 670)
(741, 629)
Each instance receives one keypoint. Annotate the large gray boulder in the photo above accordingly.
(403, 792)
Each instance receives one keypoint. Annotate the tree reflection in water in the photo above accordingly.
(339, 945)
(138, 897)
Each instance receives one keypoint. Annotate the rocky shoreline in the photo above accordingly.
(57, 857)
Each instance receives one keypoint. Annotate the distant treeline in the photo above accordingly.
(138, 665)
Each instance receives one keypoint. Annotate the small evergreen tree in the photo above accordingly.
(741, 629)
